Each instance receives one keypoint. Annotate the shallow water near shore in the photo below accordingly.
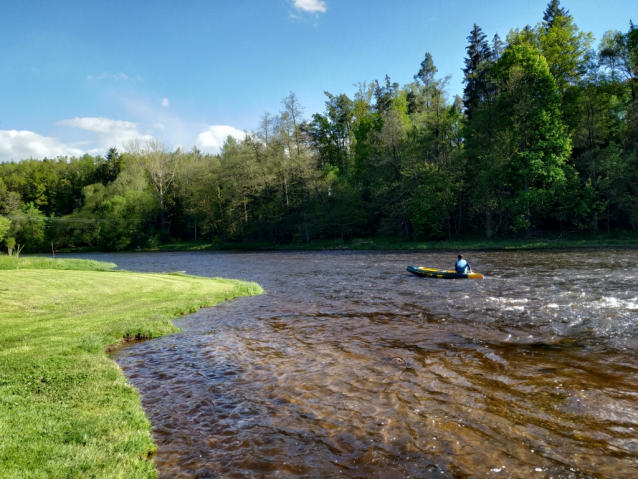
(349, 366)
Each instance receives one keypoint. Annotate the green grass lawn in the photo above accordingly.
(39, 262)
(66, 409)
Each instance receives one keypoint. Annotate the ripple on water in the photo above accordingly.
(350, 367)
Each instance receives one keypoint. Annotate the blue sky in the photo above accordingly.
(80, 76)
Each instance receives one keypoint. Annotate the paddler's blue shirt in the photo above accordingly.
(462, 266)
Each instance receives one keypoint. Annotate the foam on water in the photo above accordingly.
(615, 303)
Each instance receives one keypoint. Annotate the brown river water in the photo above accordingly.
(349, 366)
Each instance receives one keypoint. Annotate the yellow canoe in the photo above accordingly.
(442, 274)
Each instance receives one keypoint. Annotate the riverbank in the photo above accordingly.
(66, 409)
(629, 240)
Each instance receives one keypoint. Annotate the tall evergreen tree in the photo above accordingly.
(110, 168)
(552, 11)
(497, 47)
(427, 72)
(479, 57)
(384, 94)
(430, 86)
(560, 41)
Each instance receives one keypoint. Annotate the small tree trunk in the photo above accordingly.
(161, 198)
(528, 231)
(594, 222)
(460, 211)
(488, 224)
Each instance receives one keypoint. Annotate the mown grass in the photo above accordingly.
(38, 262)
(66, 409)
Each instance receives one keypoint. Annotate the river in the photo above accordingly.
(348, 366)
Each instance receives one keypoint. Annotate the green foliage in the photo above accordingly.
(28, 227)
(108, 171)
(5, 225)
(432, 202)
(112, 216)
(564, 47)
(10, 242)
(560, 41)
(332, 134)
(153, 242)
(528, 125)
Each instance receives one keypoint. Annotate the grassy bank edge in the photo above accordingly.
(41, 262)
(241, 289)
(54, 423)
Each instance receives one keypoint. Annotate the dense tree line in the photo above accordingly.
(544, 139)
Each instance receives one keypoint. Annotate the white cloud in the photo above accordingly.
(312, 6)
(20, 145)
(94, 135)
(212, 140)
(110, 132)
(164, 102)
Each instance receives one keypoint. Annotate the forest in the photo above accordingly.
(544, 140)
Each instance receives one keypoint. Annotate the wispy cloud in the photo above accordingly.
(115, 76)
(110, 132)
(311, 6)
(164, 102)
(178, 131)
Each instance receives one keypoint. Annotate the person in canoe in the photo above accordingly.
(462, 266)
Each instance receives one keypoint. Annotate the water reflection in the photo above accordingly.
(349, 366)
